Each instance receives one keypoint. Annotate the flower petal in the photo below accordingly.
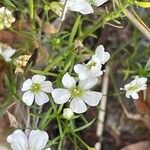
(41, 98)
(38, 78)
(8, 53)
(38, 139)
(78, 105)
(99, 2)
(61, 95)
(46, 86)
(27, 85)
(92, 98)
(88, 83)
(101, 54)
(18, 140)
(28, 98)
(81, 6)
(81, 71)
(134, 95)
(68, 81)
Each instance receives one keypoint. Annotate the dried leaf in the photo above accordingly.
(143, 106)
(12, 119)
(144, 145)
(2, 72)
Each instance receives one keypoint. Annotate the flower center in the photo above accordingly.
(35, 88)
(90, 65)
(133, 87)
(76, 92)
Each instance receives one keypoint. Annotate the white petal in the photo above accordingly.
(27, 85)
(18, 140)
(134, 95)
(80, 6)
(68, 81)
(8, 53)
(28, 98)
(101, 54)
(128, 94)
(38, 78)
(92, 98)
(61, 95)
(88, 83)
(99, 2)
(78, 105)
(46, 86)
(81, 70)
(41, 98)
(38, 139)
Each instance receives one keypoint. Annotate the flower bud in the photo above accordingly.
(68, 113)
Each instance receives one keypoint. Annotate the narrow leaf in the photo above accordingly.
(85, 126)
(143, 4)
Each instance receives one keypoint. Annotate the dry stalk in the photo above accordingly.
(102, 108)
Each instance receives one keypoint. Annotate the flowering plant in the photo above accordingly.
(55, 73)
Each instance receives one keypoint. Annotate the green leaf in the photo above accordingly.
(147, 66)
(143, 4)
(46, 119)
(31, 7)
(84, 126)
(74, 30)
(9, 3)
(56, 7)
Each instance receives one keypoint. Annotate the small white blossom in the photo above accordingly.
(36, 88)
(77, 94)
(93, 68)
(37, 140)
(101, 55)
(6, 18)
(134, 87)
(6, 52)
(82, 6)
(68, 113)
(90, 70)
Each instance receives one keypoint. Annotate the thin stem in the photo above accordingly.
(27, 131)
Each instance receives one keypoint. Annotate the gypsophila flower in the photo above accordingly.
(68, 113)
(37, 140)
(134, 87)
(36, 88)
(82, 6)
(93, 68)
(77, 93)
(6, 52)
(6, 18)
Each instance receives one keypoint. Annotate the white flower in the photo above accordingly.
(6, 18)
(37, 140)
(90, 70)
(93, 68)
(101, 55)
(77, 93)
(68, 113)
(82, 6)
(134, 87)
(36, 88)
(6, 52)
